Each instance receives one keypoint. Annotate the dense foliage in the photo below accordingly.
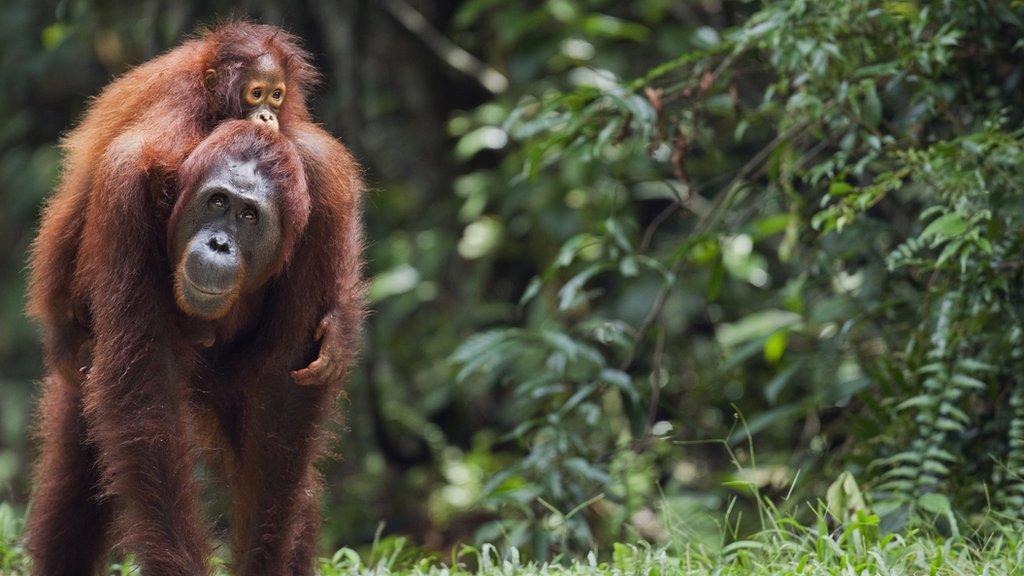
(693, 256)
(816, 212)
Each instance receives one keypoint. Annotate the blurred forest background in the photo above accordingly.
(637, 267)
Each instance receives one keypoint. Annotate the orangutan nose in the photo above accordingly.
(265, 117)
(220, 244)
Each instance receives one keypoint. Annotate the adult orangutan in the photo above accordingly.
(252, 248)
(137, 133)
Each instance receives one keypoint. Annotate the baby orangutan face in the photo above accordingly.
(263, 92)
(258, 89)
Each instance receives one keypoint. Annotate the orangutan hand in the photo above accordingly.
(330, 365)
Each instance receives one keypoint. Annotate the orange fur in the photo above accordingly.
(117, 445)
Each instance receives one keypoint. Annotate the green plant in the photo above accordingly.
(817, 210)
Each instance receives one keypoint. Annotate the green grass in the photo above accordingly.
(786, 549)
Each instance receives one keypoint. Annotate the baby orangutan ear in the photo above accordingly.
(210, 79)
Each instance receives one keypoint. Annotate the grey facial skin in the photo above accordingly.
(226, 240)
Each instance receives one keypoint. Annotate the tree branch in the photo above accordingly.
(492, 80)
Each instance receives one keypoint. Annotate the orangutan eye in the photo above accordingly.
(218, 201)
(249, 214)
(276, 95)
(256, 94)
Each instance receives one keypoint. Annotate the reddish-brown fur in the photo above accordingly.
(117, 445)
(162, 108)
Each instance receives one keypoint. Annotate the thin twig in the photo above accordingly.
(693, 202)
(652, 407)
(662, 216)
(715, 213)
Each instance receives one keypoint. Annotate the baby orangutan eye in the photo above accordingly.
(256, 94)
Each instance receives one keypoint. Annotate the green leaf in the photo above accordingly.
(568, 293)
(757, 325)
(775, 346)
(946, 226)
(844, 499)
(531, 291)
(742, 545)
(612, 27)
(935, 503)
(872, 106)
(916, 402)
(966, 381)
(840, 188)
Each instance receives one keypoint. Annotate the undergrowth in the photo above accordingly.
(784, 547)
